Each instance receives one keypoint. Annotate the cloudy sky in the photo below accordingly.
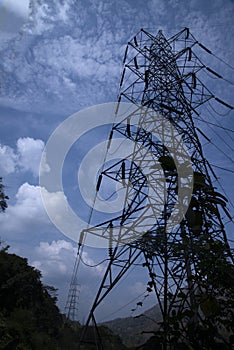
(60, 56)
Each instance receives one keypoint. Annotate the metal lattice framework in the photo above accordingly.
(164, 75)
(71, 307)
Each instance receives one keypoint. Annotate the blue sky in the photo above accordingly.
(58, 57)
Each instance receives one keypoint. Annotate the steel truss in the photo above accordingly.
(164, 75)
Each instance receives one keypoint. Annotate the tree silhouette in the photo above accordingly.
(3, 197)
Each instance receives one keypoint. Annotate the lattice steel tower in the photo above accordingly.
(165, 75)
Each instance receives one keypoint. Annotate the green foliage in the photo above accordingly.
(29, 317)
(3, 197)
(110, 341)
(209, 323)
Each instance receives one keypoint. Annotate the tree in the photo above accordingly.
(209, 324)
(3, 197)
(29, 317)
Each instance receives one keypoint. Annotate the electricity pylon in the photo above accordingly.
(164, 75)
(71, 307)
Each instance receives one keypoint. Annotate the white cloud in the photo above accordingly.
(47, 14)
(54, 249)
(7, 160)
(56, 261)
(13, 15)
(29, 153)
(27, 215)
(68, 57)
(28, 198)
(26, 156)
(72, 57)
(137, 288)
(58, 258)
(44, 166)
(20, 8)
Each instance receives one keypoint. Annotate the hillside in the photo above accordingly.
(130, 329)
(29, 317)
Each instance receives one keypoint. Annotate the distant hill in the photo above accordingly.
(130, 329)
(29, 317)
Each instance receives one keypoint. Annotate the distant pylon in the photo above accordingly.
(72, 303)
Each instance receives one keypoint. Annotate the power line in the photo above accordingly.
(228, 198)
(225, 169)
(216, 112)
(95, 265)
(169, 272)
(221, 151)
(218, 126)
(122, 307)
(222, 139)
(222, 60)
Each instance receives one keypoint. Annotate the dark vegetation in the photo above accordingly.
(3, 197)
(30, 319)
